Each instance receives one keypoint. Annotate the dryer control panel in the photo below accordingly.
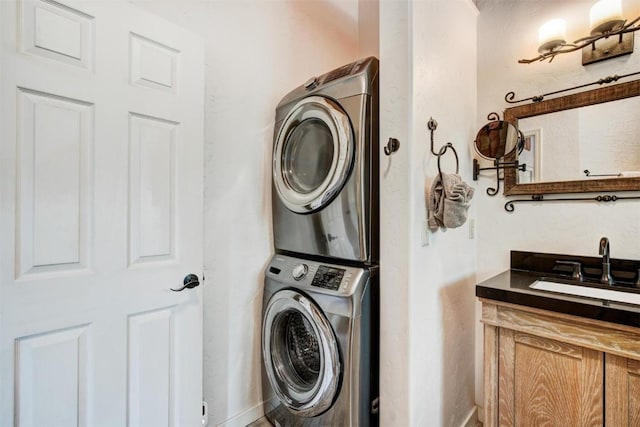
(328, 277)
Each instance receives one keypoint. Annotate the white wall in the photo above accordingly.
(507, 31)
(395, 214)
(256, 51)
(428, 68)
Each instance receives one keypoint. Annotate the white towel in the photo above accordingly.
(448, 201)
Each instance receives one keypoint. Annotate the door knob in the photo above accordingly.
(190, 281)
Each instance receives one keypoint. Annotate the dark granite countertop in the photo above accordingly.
(512, 286)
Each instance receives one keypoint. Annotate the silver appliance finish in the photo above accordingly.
(319, 346)
(325, 166)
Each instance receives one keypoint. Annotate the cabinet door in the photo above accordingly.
(543, 382)
(622, 391)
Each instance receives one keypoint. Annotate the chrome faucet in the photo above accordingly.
(606, 278)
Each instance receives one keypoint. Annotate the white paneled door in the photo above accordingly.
(101, 176)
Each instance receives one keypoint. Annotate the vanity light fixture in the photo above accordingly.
(610, 36)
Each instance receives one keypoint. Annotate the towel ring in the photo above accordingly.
(441, 152)
(433, 125)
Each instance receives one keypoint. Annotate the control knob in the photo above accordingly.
(311, 84)
(299, 271)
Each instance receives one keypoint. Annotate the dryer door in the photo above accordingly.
(300, 353)
(313, 154)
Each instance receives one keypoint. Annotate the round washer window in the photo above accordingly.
(308, 155)
(312, 154)
(300, 353)
(295, 344)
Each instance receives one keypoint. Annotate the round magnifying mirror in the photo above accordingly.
(497, 139)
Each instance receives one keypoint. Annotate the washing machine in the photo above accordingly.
(320, 344)
(325, 166)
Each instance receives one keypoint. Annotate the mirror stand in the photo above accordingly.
(499, 141)
(497, 165)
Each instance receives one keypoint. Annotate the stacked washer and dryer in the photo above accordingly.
(321, 298)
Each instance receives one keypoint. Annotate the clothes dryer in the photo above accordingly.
(325, 166)
(320, 344)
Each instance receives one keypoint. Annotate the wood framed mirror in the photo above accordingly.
(593, 183)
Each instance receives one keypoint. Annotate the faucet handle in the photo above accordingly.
(577, 268)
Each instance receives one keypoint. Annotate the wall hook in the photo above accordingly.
(393, 145)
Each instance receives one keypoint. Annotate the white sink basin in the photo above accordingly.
(585, 291)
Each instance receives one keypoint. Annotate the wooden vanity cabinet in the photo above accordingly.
(549, 369)
(622, 391)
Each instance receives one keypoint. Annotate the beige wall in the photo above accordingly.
(256, 51)
(507, 31)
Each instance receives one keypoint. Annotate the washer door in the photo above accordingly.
(300, 353)
(313, 154)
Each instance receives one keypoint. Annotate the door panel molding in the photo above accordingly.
(55, 140)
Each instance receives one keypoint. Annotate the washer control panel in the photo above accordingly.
(328, 277)
(309, 275)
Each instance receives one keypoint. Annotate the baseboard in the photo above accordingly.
(252, 414)
(244, 418)
(472, 418)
